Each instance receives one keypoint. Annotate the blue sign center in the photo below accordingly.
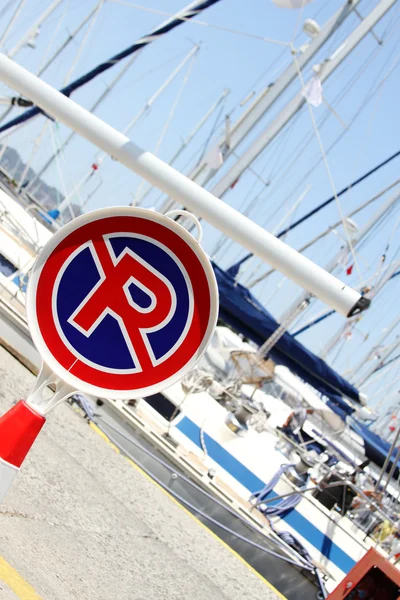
(106, 346)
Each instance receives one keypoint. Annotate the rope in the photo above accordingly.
(285, 505)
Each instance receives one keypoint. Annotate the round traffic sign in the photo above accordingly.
(122, 302)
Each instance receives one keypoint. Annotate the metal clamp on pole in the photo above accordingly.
(267, 247)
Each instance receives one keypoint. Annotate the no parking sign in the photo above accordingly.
(122, 302)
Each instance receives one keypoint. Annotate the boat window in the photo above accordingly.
(163, 406)
(6, 267)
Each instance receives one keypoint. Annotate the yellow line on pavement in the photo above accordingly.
(214, 535)
(16, 583)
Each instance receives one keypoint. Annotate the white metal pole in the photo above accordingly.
(184, 191)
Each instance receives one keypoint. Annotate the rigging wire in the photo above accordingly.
(327, 167)
(340, 97)
(5, 8)
(363, 105)
(60, 171)
(52, 39)
(202, 23)
(356, 116)
(303, 144)
(140, 191)
(85, 39)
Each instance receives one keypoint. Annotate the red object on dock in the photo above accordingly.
(19, 428)
(372, 578)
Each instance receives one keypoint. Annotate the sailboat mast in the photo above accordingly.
(327, 68)
(100, 159)
(184, 191)
(203, 173)
(70, 136)
(11, 23)
(186, 142)
(26, 37)
(33, 28)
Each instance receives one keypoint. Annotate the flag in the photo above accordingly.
(214, 159)
(313, 91)
(349, 270)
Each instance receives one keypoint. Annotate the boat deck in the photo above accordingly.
(81, 521)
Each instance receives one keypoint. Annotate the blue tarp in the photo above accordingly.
(241, 310)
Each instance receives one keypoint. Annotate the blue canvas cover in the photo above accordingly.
(242, 311)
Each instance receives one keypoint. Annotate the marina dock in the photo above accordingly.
(81, 521)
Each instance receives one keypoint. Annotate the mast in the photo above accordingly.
(71, 135)
(184, 191)
(26, 37)
(33, 28)
(186, 141)
(66, 79)
(327, 68)
(202, 173)
(187, 13)
(100, 159)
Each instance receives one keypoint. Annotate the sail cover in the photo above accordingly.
(242, 311)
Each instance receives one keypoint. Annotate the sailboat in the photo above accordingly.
(224, 430)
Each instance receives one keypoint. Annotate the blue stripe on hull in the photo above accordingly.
(245, 477)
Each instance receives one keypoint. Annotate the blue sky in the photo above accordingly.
(242, 63)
